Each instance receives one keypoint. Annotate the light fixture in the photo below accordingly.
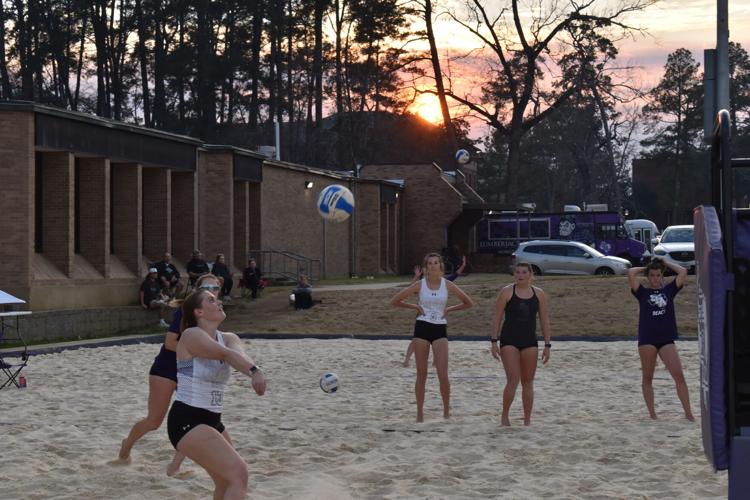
(308, 184)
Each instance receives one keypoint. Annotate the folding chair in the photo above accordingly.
(10, 334)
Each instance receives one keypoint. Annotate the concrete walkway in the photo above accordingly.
(361, 286)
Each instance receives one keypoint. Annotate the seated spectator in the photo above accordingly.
(251, 278)
(151, 296)
(221, 270)
(197, 267)
(169, 276)
(303, 294)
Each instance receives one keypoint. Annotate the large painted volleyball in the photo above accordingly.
(329, 382)
(335, 203)
(462, 156)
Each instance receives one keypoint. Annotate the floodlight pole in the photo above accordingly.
(722, 55)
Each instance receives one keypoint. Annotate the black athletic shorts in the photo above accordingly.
(430, 331)
(165, 365)
(658, 345)
(184, 418)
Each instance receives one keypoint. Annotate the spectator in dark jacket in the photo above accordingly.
(303, 294)
(197, 267)
(221, 270)
(151, 296)
(251, 277)
(169, 276)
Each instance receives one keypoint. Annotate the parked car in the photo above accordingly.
(677, 245)
(644, 231)
(567, 257)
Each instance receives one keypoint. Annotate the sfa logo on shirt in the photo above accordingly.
(659, 300)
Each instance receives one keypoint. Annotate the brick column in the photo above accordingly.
(215, 200)
(184, 215)
(241, 223)
(392, 238)
(157, 212)
(384, 234)
(254, 217)
(126, 228)
(17, 202)
(94, 217)
(58, 175)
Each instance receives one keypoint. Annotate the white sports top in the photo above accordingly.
(201, 381)
(433, 303)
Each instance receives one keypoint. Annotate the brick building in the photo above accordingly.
(89, 203)
(441, 209)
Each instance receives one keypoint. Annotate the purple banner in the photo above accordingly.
(712, 279)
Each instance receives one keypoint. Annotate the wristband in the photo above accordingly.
(253, 370)
(547, 345)
(493, 340)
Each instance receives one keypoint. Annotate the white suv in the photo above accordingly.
(567, 257)
(677, 245)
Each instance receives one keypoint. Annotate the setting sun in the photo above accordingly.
(427, 106)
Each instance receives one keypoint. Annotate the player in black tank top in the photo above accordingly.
(516, 311)
(519, 327)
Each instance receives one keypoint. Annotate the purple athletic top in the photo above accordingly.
(165, 363)
(656, 323)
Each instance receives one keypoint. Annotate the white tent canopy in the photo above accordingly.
(6, 298)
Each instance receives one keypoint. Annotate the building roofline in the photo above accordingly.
(34, 107)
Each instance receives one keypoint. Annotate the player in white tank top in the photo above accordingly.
(201, 381)
(430, 327)
(433, 302)
(204, 355)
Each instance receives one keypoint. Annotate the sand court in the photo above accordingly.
(590, 435)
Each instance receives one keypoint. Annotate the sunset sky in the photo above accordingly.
(670, 24)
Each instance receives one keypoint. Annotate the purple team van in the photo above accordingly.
(500, 234)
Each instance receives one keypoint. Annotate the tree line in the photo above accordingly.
(339, 77)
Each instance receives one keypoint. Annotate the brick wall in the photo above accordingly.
(431, 205)
(184, 215)
(58, 209)
(290, 219)
(17, 201)
(215, 200)
(94, 212)
(127, 196)
(157, 212)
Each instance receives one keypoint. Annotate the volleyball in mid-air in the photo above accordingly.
(335, 203)
(329, 382)
(462, 156)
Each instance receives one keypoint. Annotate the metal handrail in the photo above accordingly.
(286, 265)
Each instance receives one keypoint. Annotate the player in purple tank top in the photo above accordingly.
(657, 328)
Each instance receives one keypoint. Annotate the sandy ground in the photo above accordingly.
(590, 437)
(580, 306)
